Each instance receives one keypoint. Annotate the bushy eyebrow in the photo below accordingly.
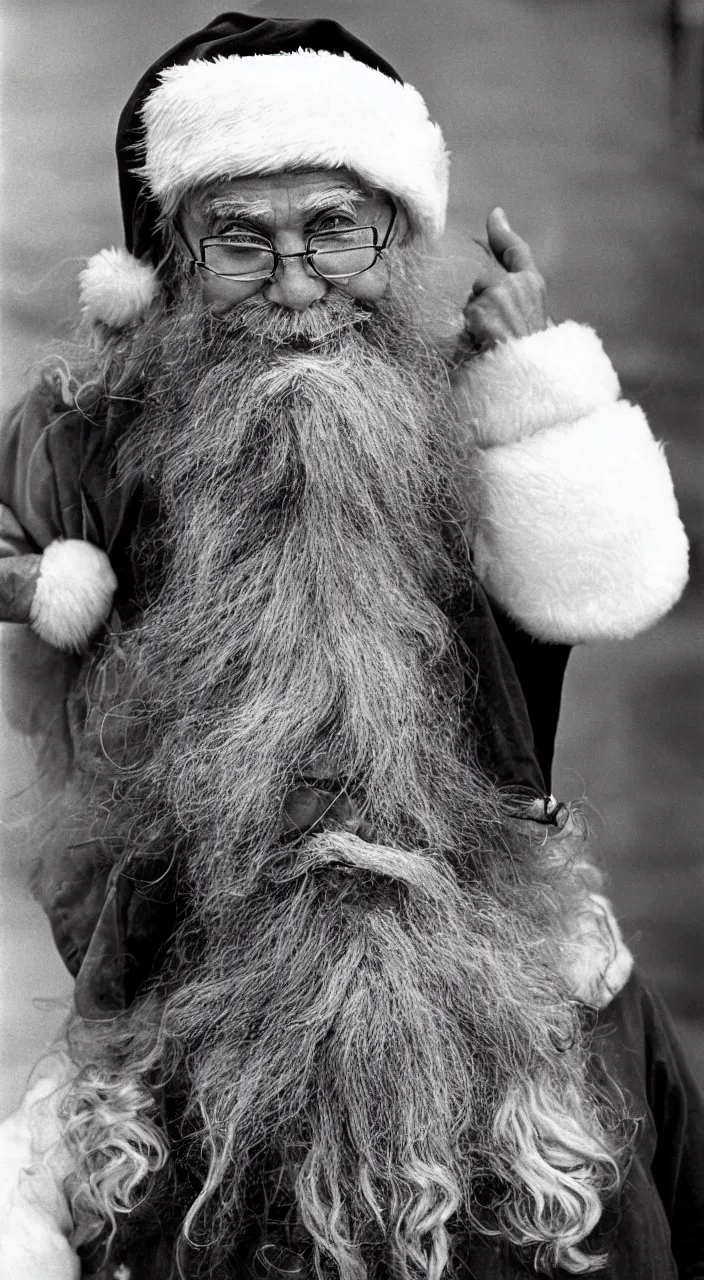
(252, 210)
(344, 198)
(232, 207)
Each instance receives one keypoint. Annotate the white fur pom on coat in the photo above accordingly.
(579, 536)
(73, 594)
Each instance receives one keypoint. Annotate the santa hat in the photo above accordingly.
(250, 95)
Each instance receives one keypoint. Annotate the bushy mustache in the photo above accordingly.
(322, 322)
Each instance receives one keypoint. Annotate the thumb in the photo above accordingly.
(512, 252)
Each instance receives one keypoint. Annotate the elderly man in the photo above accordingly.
(348, 1000)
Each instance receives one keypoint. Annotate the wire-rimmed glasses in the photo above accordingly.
(333, 255)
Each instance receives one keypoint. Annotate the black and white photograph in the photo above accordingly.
(352, 640)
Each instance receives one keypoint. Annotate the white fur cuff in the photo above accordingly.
(530, 384)
(74, 593)
(579, 536)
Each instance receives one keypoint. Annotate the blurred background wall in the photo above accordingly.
(562, 111)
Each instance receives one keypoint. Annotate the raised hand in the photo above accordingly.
(508, 296)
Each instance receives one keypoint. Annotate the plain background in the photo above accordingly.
(559, 111)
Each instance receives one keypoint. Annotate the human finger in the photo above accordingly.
(511, 251)
(494, 314)
(488, 277)
(513, 308)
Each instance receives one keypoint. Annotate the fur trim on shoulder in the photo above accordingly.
(525, 385)
(74, 593)
(116, 288)
(579, 536)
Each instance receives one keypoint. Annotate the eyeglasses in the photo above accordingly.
(334, 255)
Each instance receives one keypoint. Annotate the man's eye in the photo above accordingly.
(241, 234)
(335, 222)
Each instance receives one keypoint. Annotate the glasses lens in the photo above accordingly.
(245, 261)
(344, 253)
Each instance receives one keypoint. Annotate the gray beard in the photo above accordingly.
(298, 572)
(383, 1017)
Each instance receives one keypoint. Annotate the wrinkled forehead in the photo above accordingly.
(296, 193)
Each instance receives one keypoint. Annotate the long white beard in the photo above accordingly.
(303, 494)
(383, 1017)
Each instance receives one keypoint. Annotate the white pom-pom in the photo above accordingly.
(116, 288)
(74, 593)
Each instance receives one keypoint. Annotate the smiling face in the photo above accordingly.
(285, 209)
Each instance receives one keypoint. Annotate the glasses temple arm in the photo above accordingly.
(182, 237)
(389, 229)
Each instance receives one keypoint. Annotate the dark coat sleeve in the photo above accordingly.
(512, 690)
(57, 472)
(540, 669)
(41, 447)
(57, 481)
(642, 1053)
(39, 501)
(677, 1105)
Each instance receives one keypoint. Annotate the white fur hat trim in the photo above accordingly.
(73, 595)
(236, 116)
(116, 288)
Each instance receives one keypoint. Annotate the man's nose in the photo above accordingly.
(295, 285)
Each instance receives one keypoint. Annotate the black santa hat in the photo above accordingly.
(249, 95)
